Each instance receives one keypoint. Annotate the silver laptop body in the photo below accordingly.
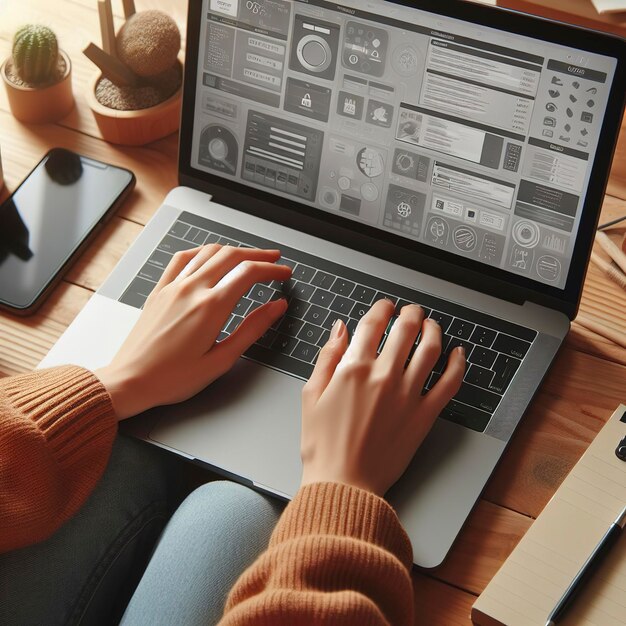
(299, 129)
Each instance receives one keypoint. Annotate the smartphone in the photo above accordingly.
(49, 220)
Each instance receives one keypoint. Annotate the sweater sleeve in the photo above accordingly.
(57, 428)
(338, 556)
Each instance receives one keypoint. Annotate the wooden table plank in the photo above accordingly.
(577, 397)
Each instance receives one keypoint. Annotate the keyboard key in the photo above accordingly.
(290, 326)
(241, 308)
(343, 287)
(482, 356)
(443, 319)
(359, 310)
(298, 289)
(288, 262)
(321, 342)
(305, 352)
(385, 296)
(323, 280)
(132, 298)
(298, 308)
(483, 336)
(351, 324)
(342, 305)
(191, 233)
(511, 346)
(322, 297)
(363, 294)
(284, 344)
(461, 329)
(233, 325)
(179, 230)
(254, 306)
(225, 241)
(466, 416)
(199, 238)
(173, 245)
(310, 333)
(478, 398)
(151, 272)
(303, 273)
(454, 342)
(267, 338)
(479, 376)
(160, 258)
(332, 317)
(212, 238)
(504, 368)
(316, 315)
(261, 293)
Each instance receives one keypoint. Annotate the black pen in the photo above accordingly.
(590, 565)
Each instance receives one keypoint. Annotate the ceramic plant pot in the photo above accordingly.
(135, 128)
(39, 105)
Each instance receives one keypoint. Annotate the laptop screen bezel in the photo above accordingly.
(407, 252)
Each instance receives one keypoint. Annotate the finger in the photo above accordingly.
(402, 337)
(448, 385)
(327, 361)
(179, 261)
(369, 331)
(425, 356)
(229, 258)
(240, 280)
(249, 331)
(199, 260)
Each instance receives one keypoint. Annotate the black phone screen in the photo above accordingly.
(44, 222)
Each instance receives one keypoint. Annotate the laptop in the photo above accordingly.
(445, 154)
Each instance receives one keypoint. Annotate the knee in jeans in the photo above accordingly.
(228, 496)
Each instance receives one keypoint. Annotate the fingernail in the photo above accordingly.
(336, 329)
(460, 350)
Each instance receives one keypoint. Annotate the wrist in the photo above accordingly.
(122, 390)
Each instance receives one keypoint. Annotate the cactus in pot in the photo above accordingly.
(35, 54)
(37, 76)
(137, 94)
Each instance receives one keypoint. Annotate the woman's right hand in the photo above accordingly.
(363, 415)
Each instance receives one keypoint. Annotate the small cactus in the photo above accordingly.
(35, 54)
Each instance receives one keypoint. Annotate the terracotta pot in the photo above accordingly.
(40, 105)
(135, 128)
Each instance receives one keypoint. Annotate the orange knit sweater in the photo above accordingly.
(338, 554)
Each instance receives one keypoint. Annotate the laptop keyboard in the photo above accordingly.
(320, 292)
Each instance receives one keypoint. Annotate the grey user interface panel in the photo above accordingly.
(462, 137)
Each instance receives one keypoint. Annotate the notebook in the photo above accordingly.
(533, 578)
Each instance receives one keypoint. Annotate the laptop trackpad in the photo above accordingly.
(246, 423)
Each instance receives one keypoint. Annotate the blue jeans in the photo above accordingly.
(89, 569)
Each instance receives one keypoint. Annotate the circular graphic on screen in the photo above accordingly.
(218, 149)
(526, 234)
(465, 238)
(549, 267)
(405, 60)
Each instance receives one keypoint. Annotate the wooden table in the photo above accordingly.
(586, 383)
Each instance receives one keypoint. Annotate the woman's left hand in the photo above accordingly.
(171, 353)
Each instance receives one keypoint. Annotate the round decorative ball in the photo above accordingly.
(148, 43)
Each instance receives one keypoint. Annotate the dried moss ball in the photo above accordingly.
(148, 43)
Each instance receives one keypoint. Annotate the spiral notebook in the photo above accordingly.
(533, 578)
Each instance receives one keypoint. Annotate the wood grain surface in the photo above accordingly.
(580, 392)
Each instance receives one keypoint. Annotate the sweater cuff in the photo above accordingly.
(69, 406)
(341, 510)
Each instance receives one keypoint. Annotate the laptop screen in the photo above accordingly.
(458, 136)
